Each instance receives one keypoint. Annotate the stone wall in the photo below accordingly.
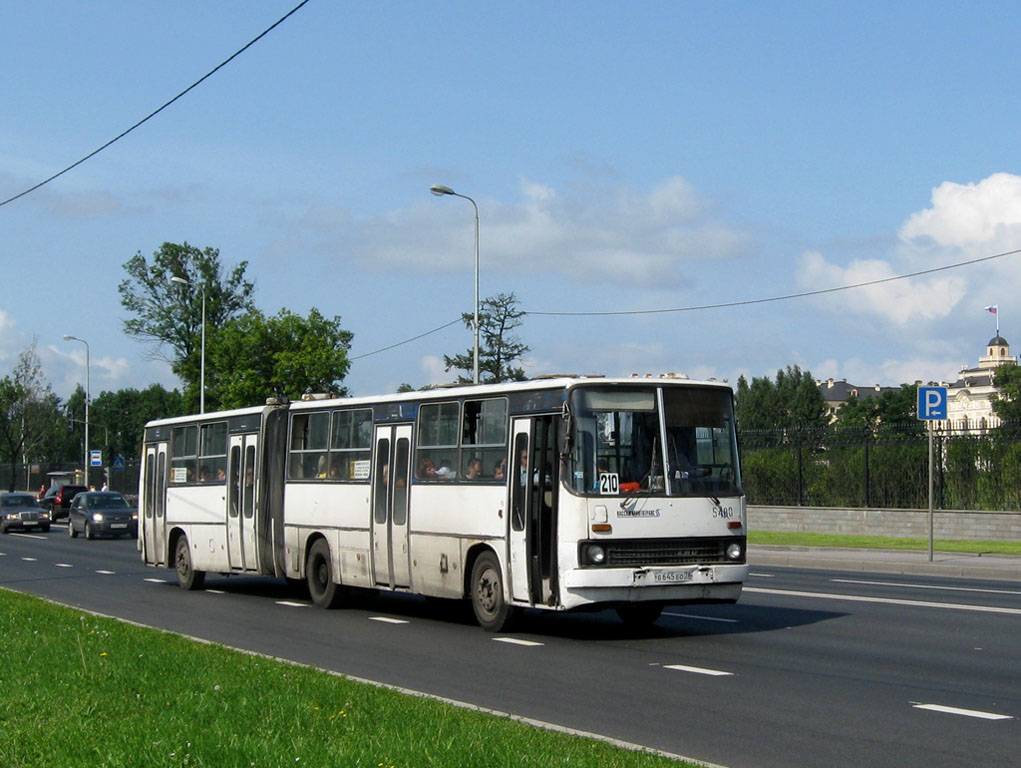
(905, 523)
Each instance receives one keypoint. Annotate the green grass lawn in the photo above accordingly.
(882, 542)
(77, 690)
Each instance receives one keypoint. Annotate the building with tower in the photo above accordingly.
(969, 403)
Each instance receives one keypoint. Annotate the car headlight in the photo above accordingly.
(97, 517)
(734, 551)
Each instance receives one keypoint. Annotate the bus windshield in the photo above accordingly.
(673, 441)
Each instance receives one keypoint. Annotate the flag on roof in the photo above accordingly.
(992, 308)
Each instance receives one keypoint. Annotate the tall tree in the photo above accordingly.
(26, 406)
(283, 356)
(167, 314)
(499, 347)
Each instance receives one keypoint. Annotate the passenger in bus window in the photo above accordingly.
(500, 470)
(321, 468)
(221, 476)
(445, 472)
(204, 474)
(426, 469)
(474, 470)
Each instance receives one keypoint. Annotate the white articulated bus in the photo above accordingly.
(560, 494)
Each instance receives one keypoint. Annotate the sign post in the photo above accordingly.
(932, 406)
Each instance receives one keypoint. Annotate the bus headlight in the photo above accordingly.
(734, 551)
(593, 554)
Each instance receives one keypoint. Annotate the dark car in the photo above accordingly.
(22, 511)
(105, 513)
(57, 498)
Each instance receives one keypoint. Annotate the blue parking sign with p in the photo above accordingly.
(932, 403)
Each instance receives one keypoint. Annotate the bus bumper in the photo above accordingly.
(668, 584)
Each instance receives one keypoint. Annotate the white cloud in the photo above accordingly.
(587, 235)
(978, 219)
(986, 214)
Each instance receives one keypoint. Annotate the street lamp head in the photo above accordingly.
(69, 337)
(181, 280)
(439, 190)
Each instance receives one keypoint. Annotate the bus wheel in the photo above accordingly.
(489, 600)
(639, 614)
(187, 576)
(321, 588)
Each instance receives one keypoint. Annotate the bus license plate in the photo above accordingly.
(672, 577)
(118, 525)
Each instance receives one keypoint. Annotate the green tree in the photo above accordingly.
(792, 401)
(499, 348)
(169, 314)
(118, 418)
(1007, 399)
(281, 356)
(26, 410)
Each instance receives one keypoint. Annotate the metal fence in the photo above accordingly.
(32, 477)
(886, 468)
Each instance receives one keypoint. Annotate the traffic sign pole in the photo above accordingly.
(931, 405)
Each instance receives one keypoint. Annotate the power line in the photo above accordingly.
(785, 297)
(153, 114)
(721, 305)
(407, 341)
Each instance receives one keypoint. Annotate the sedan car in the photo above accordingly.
(96, 513)
(21, 511)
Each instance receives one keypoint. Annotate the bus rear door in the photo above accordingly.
(390, 477)
(241, 474)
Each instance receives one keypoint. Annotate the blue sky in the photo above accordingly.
(624, 156)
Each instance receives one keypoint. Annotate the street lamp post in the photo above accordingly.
(202, 356)
(85, 455)
(439, 190)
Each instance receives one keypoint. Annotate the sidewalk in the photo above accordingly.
(953, 564)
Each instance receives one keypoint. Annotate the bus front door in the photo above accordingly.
(533, 503)
(154, 504)
(241, 484)
(390, 478)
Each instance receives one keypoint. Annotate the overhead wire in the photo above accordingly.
(720, 305)
(155, 112)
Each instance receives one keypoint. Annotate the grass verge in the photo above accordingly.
(882, 542)
(82, 690)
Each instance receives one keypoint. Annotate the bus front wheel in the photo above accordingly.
(321, 587)
(489, 599)
(187, 576)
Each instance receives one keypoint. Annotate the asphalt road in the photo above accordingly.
(811, 668)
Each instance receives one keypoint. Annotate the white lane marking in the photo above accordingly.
(30, 559)
(388, 620)
(964, 712)
(290, 603)
(762, 575)
(30, 536)
(107, 573)
(927, 586)
(886, 600)
(157, 581)
(701, 618)
(64, 565)
(215, 591)
(516, 641)
(698, 670)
